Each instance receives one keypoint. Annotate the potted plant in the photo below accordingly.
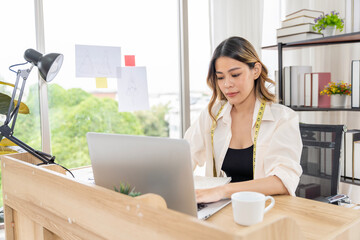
(338, 93)
(328, 23)
(127, 190)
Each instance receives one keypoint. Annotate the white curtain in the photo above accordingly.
(242, 18)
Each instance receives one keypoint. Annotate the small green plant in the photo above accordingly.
(331, 19)
(125, 189)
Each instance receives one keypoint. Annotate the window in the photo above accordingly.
(146, 29)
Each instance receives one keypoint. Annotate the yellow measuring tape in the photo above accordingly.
(257, 129)
(213, 126)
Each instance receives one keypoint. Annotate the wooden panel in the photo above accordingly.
(48, 205)
(72, 210)
(49, 235)
(328, 219)
(316, 220)
(9, 222)
(26, 157)
(24, 227)
(55, 168)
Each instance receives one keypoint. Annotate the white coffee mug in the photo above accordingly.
(249, 207)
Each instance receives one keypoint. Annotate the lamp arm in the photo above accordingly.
(8, 132)
(17, 108)
(44, 157)
(24, 74)
(8, 115)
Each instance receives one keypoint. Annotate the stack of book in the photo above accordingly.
(351, 150)
(298, 26)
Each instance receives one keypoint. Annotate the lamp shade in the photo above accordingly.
(48, 64)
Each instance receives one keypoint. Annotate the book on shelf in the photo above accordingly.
(277, 86)
(307, 90)
(286, 86)
(350, 136)
(318, 82)
(305, 12)
(297, 20)
(299, 37)
(356, 160)
(302, 28)
(355, 83)
(296, 82)
(342, 155)
(301, 83)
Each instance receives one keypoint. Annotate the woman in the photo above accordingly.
(256, 142)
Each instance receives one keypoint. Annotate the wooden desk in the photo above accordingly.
(316, 220)
(43, 204)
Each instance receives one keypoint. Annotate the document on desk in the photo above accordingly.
(83, 174)
(201, 182)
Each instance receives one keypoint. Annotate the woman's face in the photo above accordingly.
(235, 79)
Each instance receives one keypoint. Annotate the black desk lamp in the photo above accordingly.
(48, 65)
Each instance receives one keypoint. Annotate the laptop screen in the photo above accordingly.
(150, 164)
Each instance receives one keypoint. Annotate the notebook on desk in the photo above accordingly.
(151, 165)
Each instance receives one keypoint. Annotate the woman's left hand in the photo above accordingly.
(210, 194)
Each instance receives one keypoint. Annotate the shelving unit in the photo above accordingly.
(332, 40)
(324, 109)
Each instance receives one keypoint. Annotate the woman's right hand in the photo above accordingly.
(210, 194)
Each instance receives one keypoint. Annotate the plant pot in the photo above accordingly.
(338, 100)
(329, 31)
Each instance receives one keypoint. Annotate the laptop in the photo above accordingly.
(151, 165)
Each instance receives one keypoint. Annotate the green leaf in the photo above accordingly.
(4, 103)
(125, 189)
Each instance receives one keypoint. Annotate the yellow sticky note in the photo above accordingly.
(101, 82)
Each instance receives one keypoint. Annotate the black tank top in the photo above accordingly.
(238, 164)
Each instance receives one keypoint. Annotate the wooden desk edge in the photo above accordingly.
(39, 202)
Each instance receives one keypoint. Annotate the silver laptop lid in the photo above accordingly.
(150, 164)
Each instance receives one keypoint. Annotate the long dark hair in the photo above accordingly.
(239, 49)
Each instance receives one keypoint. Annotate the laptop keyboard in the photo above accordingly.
(201, 206)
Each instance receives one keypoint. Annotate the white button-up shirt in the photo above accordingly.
(278, 147)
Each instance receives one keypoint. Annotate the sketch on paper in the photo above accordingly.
(132, 89)
(97, 61)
